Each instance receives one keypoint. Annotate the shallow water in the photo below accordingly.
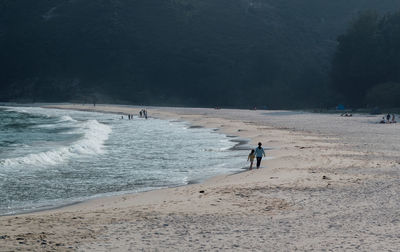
(53, 157)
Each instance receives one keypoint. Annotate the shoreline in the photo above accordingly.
(239, 144)
(331, 186)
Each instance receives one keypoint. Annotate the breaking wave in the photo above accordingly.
(94, 134)
(67, 119)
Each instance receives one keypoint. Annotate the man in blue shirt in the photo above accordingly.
(259, 154)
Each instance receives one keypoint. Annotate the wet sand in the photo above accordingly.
(333, 185)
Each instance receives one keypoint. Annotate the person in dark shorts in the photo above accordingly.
(259, 154)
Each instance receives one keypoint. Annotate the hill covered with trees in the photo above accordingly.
(274, 53)
(366, 65)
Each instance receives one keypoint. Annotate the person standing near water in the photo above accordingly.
(251, 159)
(259, 154)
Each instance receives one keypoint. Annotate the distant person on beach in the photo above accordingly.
(251, 158)
(259, 154)
(393, 119)
(388, 118)
(140, 114)
(383, 120)
(346, 114)
(145, 113)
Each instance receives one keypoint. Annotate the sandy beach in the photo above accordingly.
(333, 185)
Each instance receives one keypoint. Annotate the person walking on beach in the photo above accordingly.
(250, 158)
(259, 154)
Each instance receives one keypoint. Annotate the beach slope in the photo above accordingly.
(333, 184)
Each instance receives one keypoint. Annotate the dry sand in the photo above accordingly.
(333, 185)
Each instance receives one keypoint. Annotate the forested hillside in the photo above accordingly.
(366, 65)
(274, 53)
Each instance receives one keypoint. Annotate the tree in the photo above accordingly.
(355, 61)
(384, 95)
(368, 54)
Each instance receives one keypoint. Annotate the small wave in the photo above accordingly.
(223, 149)
(67, 119)
(36, 111)
(92, 143)
(46, 126)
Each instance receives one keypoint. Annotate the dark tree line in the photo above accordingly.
(366, 65)
(241, 53)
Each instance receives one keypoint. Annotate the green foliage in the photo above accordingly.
(239, 53)
(385, 95)
(368, 54)
(355, 61)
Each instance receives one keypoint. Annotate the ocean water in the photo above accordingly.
(50, 158)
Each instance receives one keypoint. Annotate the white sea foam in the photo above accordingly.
(222, 149)
(141, 155)
(45, 126)
(91, 143)
(66, 118)
(62, 119)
